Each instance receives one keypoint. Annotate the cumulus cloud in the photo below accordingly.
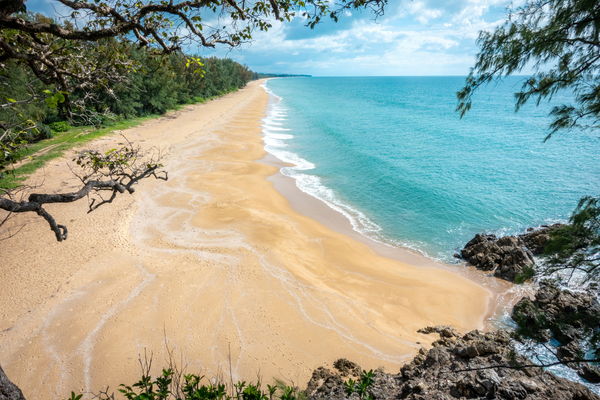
(419, 37)
(414, 37)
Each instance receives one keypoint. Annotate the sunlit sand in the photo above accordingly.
(216, 263)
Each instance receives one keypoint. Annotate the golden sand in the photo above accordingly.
(216, 263)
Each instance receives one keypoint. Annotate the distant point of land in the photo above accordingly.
(260, 75)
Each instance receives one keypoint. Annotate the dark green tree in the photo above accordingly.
(576, 247)
(559, 40)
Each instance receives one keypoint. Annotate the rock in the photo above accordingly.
(8, 390)
(450, 371)
(456, 255)
(443, 330)
(347, 367)
(564, 333)
(318, 378)
(569, 352)
(547, 292)
(570, 316)
(510, 241)
(437, 356)
(505, 257)
(536, 240)
(529, 385)
(565, 313)
(590, 373)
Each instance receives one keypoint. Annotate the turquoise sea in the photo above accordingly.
(393, 156)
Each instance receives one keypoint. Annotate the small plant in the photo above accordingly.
(73, 397)
(527, 274)
(288, 394)
(361, 386)
(272, 390)
(60, 126)
(146, 386)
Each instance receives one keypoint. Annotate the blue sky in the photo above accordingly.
(418, 37)
(414, 37)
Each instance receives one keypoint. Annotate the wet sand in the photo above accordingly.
(215, 262)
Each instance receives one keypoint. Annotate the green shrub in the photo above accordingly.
(60, 126)
(528, 273)
(180, 386)
(361, 386)
(44, 132)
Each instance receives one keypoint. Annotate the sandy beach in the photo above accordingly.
(215, 262)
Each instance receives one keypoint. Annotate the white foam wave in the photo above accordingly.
(272, 142)
(269, 122)
(312, 184)
(274, 128)
(280, 136)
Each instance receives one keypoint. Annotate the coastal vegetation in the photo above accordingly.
(559, 40)
(116, 79)
(127, 60)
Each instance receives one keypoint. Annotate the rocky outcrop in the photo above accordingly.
(457, 367)
(8, 390)
(535, 240)
(506, 257)
(509, 256)
(568, 316)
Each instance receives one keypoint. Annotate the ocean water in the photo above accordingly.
(391, 154)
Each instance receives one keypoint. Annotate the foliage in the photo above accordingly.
(191, 387)
(60, 126)
(114, 171)
(575, 247)
(361, 386)
(527, 274)
(152, 88)
(559, 39)
(104, 58)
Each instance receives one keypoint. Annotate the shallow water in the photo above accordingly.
(393, 156)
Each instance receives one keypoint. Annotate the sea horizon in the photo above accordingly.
(294, 129)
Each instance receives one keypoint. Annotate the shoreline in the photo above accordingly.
(216, 263)
(504, 295)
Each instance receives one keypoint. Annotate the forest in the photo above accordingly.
(147, 83)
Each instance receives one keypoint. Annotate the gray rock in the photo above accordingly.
(8, 390)
(590, 373)
(444, 373)
(506, 257)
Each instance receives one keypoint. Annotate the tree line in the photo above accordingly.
(132, 81)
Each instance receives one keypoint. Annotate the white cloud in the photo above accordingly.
(425, 37)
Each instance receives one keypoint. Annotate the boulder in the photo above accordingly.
(536, 240)
(569, 352)
(590, 373)
(458, 367)
(506, 257)
(8, 390)
(346, 367)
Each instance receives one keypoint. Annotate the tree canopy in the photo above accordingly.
(559, 40)
(87, 49)
(105, 57)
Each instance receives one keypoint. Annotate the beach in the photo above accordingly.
(215, 264)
